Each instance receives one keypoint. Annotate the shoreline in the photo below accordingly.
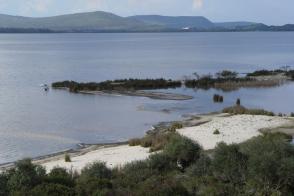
(137, 93)
(115, 152)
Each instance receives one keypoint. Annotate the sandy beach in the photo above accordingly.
(233, 129)
(115, 156)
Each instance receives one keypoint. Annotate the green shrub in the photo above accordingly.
(135, 142)
(96, 170)
(183, 150)
(160, 162)
(175, 126)
(60, 176)
(270, 159)
(67, 158)
(229, 164)
(25, 175)
(93, 186)
(51, 190)
(202, 167)
(216, 132)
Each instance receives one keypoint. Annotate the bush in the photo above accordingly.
(96, 170)
(25, 175)
(183, 150)
(60, 176)
(156, 141)
(161, 185)
(67, 158)
(160, 162)
(292, 114)
(174, 127)
(201, 167)
(270, 158)
(229, 164)
(51, 190)
(135, 142)
(216, 132)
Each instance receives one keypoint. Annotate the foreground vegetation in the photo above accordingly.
(262, 166)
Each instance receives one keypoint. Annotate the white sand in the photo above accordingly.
(112, 156)
(233, 129)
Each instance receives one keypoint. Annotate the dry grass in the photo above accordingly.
(238, 109)
(156, 141)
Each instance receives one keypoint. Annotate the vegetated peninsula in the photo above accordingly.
(131, 87)
(99, 21)
(225, 80)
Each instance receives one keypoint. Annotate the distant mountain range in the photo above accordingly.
(108, 22)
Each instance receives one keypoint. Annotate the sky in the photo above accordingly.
(276, 12)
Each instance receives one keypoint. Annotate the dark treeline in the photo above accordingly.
(229, 80)
(126, 84)
(261, 166)
(226, 80)
(289, 73)
(210, 81)
(25, 30)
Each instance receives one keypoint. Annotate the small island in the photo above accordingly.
(225, 80)
(129, 87)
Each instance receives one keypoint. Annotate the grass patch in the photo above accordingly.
(156, 141)
(238, 109)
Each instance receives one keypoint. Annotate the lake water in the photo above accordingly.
(34, 122)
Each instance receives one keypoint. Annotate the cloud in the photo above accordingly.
(197, 4)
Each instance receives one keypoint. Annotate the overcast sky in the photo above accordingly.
(266, 11)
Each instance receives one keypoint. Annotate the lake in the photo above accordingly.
(34, 122)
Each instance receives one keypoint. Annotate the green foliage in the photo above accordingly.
(270, 159)
(227, 74)
(51, 190)
(201, 168)
(229, 164)
(156, 141)
(124, 84)
(216, 132)
(96, 170)
(134, 142)
(60, 176)
(182, 150)
(265, 73)
(25, 175)
(263, 165)
(67, 158)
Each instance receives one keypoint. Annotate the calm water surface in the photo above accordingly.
(33, 122)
